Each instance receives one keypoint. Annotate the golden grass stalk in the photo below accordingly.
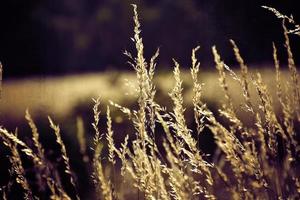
(182, 131)
(273, 125)
(278, 75)
(24, 148)
(178, 183)
(17, 167)
(230, 145)
(142, 170)
(103, 186)
(244, 77)
(38, 162)
(285, 100)
(96, 111)
(286, 104)
(246, 166)
(293, 71)
(35, 136)
(222, 77)
(145, 116)
(141, 167)
(228, 110)
(109, 138)
(176, 96)
(295, 30)
(197, 89)
(64, 155)
(142, 77)
(43, 169)
(292, 106)
(166, 124)
(53, 183)
(123, 109)
(261, 138)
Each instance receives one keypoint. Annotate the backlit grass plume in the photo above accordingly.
(161, 156)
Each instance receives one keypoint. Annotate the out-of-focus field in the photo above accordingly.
(60, 96)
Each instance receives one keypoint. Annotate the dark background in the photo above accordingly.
(52, 37)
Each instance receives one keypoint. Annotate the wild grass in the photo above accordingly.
(162, 157)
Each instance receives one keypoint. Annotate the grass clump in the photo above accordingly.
(161, 159)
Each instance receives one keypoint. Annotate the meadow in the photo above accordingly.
(226, 133)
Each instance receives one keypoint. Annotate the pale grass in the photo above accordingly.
(296, 27)
(25, 149)
(35, 135)
(64, 155)
(102, 185)
(17, 167)
(246, 162)
(109, 138)
(44, 171)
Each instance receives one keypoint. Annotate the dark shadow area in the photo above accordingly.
(71, 36)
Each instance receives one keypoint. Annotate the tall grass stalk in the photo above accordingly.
(161, 158)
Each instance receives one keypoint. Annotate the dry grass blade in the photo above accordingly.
(222, 77)
(284, 99)
(228, 110)
(96, 111)
(141, 72)
(176, 96)
(295, 30)
(259, 161)
(294, 74)
(17, 167)
(103, 187)
(244, 79)
(28, 151)
(197, 89)
(64, 155)
(273, 127)
(182, 131)
(145, 117)
(35, 135)
(109, 138)
(123, 109)
(44, 174)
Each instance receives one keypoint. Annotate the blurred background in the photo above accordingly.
(58, 54)
(43, 37)
(49, 47)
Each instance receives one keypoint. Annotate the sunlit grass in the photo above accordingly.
(167, 120)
